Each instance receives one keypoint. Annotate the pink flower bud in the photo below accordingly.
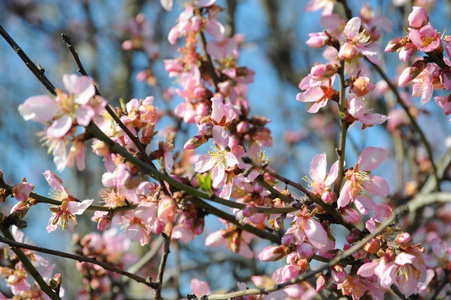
(353, 236)
(257, 218)
(288, 240)
(403, 239)
(329, 197)
(372, 246)
(394, 45)
(320, 283)
(406, 52)
(411, 72)
(195, 142)
(418, 17)
(305, 250)
(21, 191)
(318, 40)
(242, 127)
(249, 210)
(273, 253)
(104, 223)
(350, 215)
(338, 274)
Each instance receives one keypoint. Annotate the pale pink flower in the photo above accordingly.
(357, 110)
(199, 287)
(444, 102)
(359, 182)
(166, 4)
(217, 160)
(139, 222)
(358, 43)
(286, 273)
(223, 51)
(222, 114)
(424, 83)
(40, 109)
(411, 72)
(321, 181)
(307, 228)
(327, 6)
(319, 95)
(426, 39)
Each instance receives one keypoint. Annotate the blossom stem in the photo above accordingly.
(42, 199)
(402, 210)
(343, 129)
(162, 266)
(211, 68)
(8, 237)
(426, 144)
(338, 218)
(16, 245)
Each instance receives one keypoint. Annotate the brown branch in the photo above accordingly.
(80, 258)
(27, 264)
(38, 72)
(162, 266)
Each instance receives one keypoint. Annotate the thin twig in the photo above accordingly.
(106, 266)
(211, 68)
(162, 267)
(426, 144)
(42, 199)
(343, 129)
(38, 72)
(9, 239)
(413, 205)
(329, 209)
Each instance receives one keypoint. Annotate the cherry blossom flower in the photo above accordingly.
(357, 43)
(319, 95)
(63, 215)
(217, 160)
(321, 182)
(360, 184)
(199, 287)
(21, 191)
(327, 6)
(418, 17)
(426, 39)
(357, 110)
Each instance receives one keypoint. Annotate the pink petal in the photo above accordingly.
(316, 233)
(333, 174)
(318, 167)
(221, 137)
(367, 270)
(310, 95)
(204, 163)
(345, 197)
(377, 186)
(84, 115)
(371, 158)
(404, 258)
(60, 127)
(199, 287)
(352, 28)
(77, 208)
(84, 89)
(54, 181)
(215, 239)
(217, 174)
(39, 109)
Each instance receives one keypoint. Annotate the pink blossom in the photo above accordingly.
(64, 214)
(423, 83)
(426, 39)
(327, 6)
(40, 109)
(321, 181)
(217, 160)
(411, 72)
(359, 182)
(357, 43)
(224, 50)
(318, 40)
(310, 229)
(199, 287)
(273, 253)
(21, 191)
(285, 273)
(319, 95)
(445, 103)
(357, 110)
(222, 114)
(418, 17)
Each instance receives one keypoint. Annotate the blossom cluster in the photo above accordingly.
(213, 91)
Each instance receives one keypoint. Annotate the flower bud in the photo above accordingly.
(394, 45)
(411, 72)
(305, 250)
(403, 239)
(418, 17)
(195, 142)
(242, 127)
(338, 274)
(249, 210)
(372, 246)
(318, 40)
(273, 253)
